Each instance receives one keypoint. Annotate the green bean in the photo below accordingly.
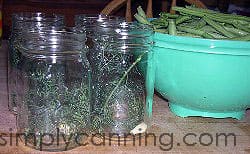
(216, 35)
(165, 31)
(192, 23)
(159, 21)
(236, 31)
(214, 16)
(221, 15)
(208, 28)
(168, 15)
(182, 19)
(242, 22)
(198, 14)
(242, 38)
(218, 27)
(195, 31)
(242, 27)
(188, 25)
(189, 35)
(188, 11)
(141, 19)
(160, 27)
(200, 24)
(172, 27)
(141, 12)
(227, 25)
(218, 19)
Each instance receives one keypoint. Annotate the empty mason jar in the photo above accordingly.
(54, 105)
(119, 106)
(25, 21)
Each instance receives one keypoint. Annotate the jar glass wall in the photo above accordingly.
(24, 21)
(54, 91)
(119, 87)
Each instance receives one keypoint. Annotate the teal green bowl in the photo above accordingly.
(202, 77)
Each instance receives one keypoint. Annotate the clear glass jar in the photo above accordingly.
(54, 91)
(25, 21)
(119, 88)
(89, 23)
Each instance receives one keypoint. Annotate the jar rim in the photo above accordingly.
(125, 30)
(90, 21)
(56, 30)
(99, 17)
(55, 44)
(36, 16)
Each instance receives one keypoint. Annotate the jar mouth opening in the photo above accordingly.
(89, 16)
(97, 17)
(90, 21)
(36, 16)
(126, 30)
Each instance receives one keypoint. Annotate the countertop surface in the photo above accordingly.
(172, 134)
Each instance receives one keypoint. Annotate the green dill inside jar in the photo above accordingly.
(21, 22)
(55, 90)
(119, 88)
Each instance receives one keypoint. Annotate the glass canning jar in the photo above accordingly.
(119, 88)
(25, 21)
(54, 92)
(89, 23)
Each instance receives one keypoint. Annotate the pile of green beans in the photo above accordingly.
(200, 23)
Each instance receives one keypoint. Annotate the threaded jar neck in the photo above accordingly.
(89, 22)
(28, 20)
(124, 36)
(53, 44)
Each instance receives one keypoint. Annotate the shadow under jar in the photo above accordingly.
(119, 108)
(55, 90)
(21, 22)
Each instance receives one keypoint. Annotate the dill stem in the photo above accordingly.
(122, 78)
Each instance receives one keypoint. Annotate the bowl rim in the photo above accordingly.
(201, 45)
